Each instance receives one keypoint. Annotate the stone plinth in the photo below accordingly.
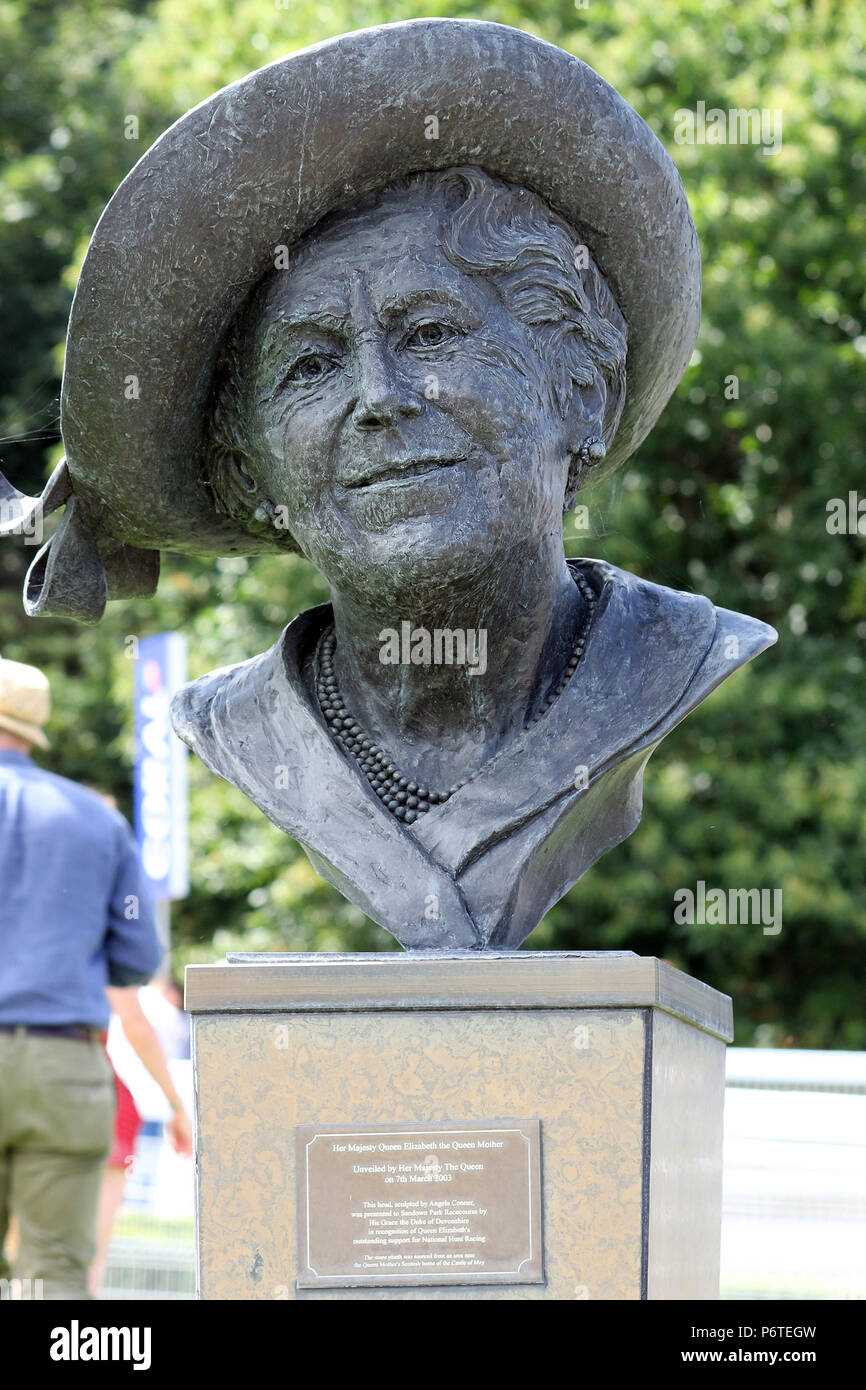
(620, 1058)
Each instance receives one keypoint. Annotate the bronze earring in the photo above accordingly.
(592, 451)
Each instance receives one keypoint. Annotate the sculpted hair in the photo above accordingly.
(545, 275)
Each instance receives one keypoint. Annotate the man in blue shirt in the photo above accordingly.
(74, 918)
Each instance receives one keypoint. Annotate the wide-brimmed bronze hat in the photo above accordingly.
(195, 224)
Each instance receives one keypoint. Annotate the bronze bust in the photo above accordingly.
(407, 373)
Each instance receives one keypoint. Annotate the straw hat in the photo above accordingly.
(194, 226)
(25, 701)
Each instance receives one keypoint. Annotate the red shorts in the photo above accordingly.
(127, 1123)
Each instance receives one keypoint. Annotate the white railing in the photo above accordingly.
(794, 1213)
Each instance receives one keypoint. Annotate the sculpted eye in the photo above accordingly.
(311, 367)
(428, 335)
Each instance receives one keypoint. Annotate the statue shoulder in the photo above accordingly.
(679, 646)
(719, 640)
(227, 716)
(198, 709)
(736, 637)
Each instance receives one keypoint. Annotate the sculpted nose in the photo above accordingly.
(383, 398)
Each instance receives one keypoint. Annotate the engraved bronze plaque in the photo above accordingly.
(449, 1203)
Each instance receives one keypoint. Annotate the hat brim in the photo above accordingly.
(24, 729)
(195, 225)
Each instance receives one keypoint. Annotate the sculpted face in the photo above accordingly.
(397, 408)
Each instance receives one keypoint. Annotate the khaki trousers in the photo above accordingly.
(56, 1118)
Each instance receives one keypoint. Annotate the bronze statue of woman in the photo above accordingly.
(392, 302)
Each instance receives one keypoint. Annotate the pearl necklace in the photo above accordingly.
(402, 796)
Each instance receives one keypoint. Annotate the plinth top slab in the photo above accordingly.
(434, 980)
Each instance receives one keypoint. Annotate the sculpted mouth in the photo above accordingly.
(404, 471)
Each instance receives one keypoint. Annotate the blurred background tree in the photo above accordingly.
(765, 785)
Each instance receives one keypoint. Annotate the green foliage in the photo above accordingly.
(765, 785)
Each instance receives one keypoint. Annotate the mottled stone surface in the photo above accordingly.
(389, 1068)
(685, 1166)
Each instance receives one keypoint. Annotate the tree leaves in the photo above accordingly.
(764, 785)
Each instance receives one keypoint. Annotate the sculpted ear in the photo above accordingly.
(585, 422)
(592, 421)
